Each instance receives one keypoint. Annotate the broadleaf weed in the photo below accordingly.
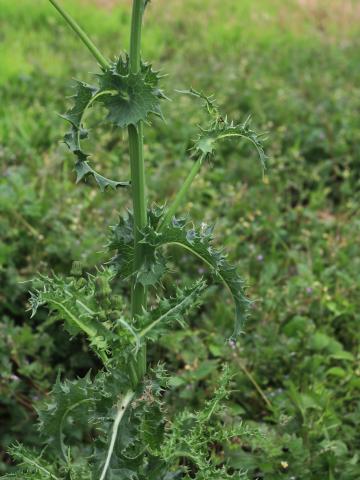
(114, 424)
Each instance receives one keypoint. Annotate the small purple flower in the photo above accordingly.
(232, 343)
(260, 258)
(201, 270)
(309, 290)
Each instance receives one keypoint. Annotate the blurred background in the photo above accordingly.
(294, 65)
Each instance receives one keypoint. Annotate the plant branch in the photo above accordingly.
(181, 193)
(236, 356)
(83, 36)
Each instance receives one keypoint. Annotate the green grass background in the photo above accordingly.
(294, 65)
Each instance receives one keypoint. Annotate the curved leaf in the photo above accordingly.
(65, 398)
(129, 98)
(84, 98)
(199, 243)
(220, 128)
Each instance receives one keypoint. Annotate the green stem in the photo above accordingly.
(135, 35)
(80, 32)
(139, 207)
(138, 294)
(252, 379)
(181, 193)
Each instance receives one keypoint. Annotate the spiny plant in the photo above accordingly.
(113, 424)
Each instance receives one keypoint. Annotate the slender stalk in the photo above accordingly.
(26, 224)
(138, 296)
(83, 36)
(181, 193)
(135, 35)
(249, 375)
(119, 415)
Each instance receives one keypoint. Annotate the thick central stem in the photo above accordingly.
(138, 294)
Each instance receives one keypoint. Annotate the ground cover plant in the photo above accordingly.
(295, 67)
(120, 408)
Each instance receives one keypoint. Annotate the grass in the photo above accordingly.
(294, 67)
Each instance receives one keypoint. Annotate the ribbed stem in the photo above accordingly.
(135, 35)
(138, 295)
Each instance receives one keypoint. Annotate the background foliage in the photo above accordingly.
(295, 66)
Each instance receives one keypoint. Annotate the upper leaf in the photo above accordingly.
(130, 97)
(220, 128)
(84, 98)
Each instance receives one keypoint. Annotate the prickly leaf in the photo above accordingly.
(154, 264)
(169, 311)
(75, 397)
(84, 98)
(76, 302)
(32, 466)
(130, 97)
(200, 243)
(220, 128)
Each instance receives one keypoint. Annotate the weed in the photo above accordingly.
(121, 409)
